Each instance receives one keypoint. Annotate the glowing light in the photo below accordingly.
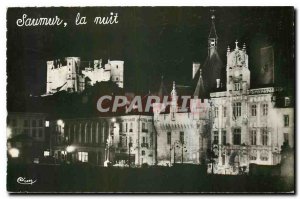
(113, 119)
(46, 153)
(70, 149)
(60, 122)
(13, 152)
(46, 123)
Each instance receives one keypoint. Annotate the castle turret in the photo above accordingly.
(117, 72)
(73, 64)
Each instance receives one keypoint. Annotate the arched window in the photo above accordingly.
(85, 133)
(97, 133)
(80, 134)
(75, 133)
(103, 133)
(88, 133)
(91, 133)
(94, 132)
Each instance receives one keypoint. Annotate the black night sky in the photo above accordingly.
(152, 42)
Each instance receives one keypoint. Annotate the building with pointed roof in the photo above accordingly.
(248, 125)
(182, 128)
(212, 67)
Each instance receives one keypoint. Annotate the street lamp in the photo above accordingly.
(70, 149)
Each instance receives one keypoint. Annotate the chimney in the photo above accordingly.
(218, 83)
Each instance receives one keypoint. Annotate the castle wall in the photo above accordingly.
(65, 75)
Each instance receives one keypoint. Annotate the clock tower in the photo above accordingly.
(238, 73)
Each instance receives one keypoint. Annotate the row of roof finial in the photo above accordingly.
(236, 46)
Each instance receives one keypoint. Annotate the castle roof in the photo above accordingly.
(213, 32)
(212, 69)
(200, 90)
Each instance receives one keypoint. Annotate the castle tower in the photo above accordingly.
(238, 73)
(73, 64)
(117, 72)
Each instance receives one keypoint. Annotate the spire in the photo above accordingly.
(199, 90)
(173, 92)
(212, 37)
(213, 32)
(236, 45)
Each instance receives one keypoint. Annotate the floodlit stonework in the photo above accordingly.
(73, 75)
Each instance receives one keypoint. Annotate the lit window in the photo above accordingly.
(253, 110)
(83, 156)
(286, 120)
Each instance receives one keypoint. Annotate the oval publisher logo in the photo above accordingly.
(25, 181)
